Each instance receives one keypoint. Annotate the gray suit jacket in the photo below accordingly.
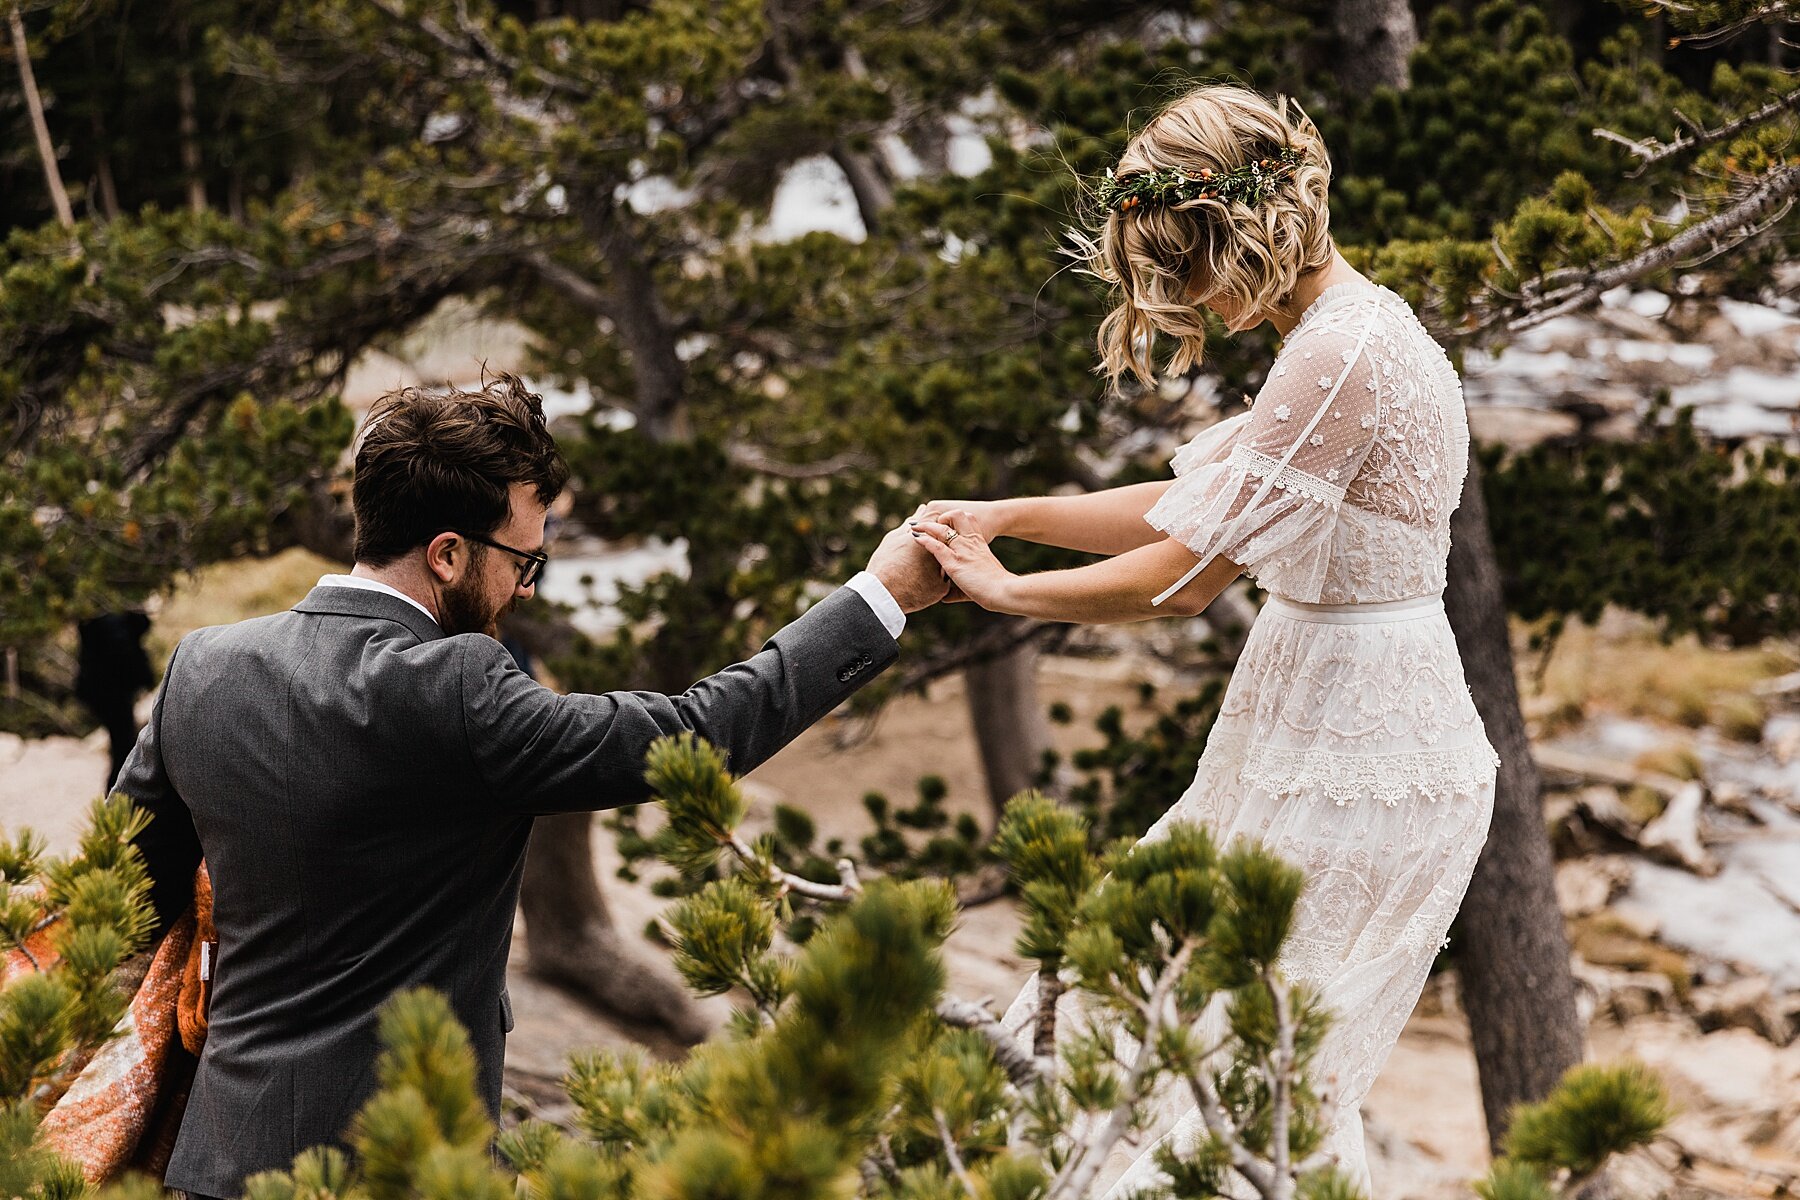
(362, 788)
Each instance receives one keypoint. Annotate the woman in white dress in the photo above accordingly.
(1347, 740)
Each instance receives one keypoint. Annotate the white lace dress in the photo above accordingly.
(1347, 740)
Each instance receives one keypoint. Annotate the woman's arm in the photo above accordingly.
(1105, 522)
(1117, 589)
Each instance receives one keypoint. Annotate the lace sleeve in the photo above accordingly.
(1211, 444)
(1271, 503)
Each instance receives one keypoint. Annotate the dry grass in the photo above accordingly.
(1604, 940)
(1621, 667)
(226, 592)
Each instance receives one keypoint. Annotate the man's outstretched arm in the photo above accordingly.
(541, 752)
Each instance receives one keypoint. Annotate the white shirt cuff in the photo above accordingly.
(866, 585)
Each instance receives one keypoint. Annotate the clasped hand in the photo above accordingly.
(941, 555)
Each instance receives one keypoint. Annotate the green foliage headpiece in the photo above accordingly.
(1250, 183)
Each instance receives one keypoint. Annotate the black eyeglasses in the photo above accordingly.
(534, 562)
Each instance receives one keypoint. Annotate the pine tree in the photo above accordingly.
(848, 1070)
(66, 924)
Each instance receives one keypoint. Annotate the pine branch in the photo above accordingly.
(1777, 188)
(1652, 151)
(477, 48)
(1024, 1070)
(846, 889)
(1050, 990)
(950, 1151)
(1073, 1181)
(1219, 1124)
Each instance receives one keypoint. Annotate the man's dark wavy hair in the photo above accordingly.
(439, 459)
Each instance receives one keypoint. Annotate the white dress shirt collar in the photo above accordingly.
(372, 585)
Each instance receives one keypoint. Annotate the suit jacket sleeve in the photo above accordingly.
(541, 752)
(169, 845)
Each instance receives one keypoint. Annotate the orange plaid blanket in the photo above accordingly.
(123, 1107)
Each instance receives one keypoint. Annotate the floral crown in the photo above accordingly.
(1250, 183)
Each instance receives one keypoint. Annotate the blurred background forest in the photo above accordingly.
(783, 269)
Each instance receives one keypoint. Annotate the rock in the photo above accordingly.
(1635, 919)
(1604, 941)
(1728, 1070)
(1597, 823)
(1623, 995)
(1674, 837)
(1584, 885)
(1632, 324)
(1734, 798)
(1519, 428)
(1746, 1003)
(1604, 804)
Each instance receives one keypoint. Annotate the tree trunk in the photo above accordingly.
(1514, 958)
(103, 175)
(868, 183)
(1376, 38)
(574, 942)
(632, 302)
(569, 931)
(1011, 729)
(40, 128)
(189, 125)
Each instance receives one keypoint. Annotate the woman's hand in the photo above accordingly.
(954, 537)
(990, 515)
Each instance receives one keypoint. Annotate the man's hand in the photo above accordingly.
(908, 571)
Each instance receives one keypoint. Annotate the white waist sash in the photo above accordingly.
(1378, 613)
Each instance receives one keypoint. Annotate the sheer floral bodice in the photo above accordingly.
(1337, 485)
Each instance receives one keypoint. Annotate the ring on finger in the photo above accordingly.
(951, 536)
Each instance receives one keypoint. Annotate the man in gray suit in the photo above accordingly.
(361, 772)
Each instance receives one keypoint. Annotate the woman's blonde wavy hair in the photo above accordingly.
(1165, 260)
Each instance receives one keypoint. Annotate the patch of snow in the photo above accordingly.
(967, 152)
(658, 193)
(1734, 916)
(1648, 303)
(442, 127)
(1752, 319)
(561, 401)
(1622, 738)
(1702, 392)
(1692, 354)
(1568, 327)
(1527, 364)
(1764, 388)
(814, 197)
(899, 156)
(589, 581)
(1738, 418)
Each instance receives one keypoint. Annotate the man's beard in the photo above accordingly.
(464, 611)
